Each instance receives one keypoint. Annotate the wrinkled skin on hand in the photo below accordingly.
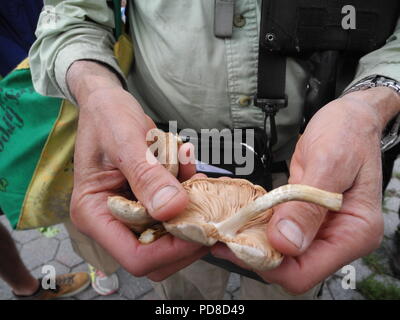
(110, 159)
(339, 152)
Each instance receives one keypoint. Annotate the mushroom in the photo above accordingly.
(165, 145)
(233, 211)
(213, 201)
(152, 234)
(132, 213)
(236, 212)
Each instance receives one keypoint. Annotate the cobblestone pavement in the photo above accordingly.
(37, 250)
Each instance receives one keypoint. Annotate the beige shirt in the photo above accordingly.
(182, 71)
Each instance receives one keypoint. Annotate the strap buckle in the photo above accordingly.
(271, 106)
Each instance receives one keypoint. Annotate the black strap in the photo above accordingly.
(271, 77)
(271, 66)
(302, 27)
(229, 266)
(271, 88)
(271, 83)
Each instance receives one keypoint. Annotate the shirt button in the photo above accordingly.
(239, 21)
(244, 101)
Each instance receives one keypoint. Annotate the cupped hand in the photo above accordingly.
(110, 159)
(339, 152)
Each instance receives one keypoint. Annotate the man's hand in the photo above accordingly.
(110, 158)
(339, 152)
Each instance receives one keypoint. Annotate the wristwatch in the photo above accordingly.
(373, 82)
(391, 135)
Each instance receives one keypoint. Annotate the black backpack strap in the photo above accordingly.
(271, 66)
(271, 83)
(271, 79)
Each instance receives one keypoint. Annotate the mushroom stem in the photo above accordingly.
(290, 192)
(152, 234)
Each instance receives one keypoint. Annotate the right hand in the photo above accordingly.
(110, 158)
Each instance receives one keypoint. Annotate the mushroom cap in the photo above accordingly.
(165, 146)
(131, 213)
(214, 200)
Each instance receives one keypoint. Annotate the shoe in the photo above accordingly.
(101, 283)
(67, 285)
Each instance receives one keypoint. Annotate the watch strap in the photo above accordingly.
(392, 135)
(374, 82)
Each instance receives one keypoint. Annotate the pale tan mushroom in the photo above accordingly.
(213, 201)
(165, 145)
(152, 234)
(236, 212)
(233, 211)
(131, 213)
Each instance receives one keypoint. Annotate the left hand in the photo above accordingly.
(339, 152)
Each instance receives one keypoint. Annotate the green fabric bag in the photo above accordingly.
(37, 137)
(29, 123)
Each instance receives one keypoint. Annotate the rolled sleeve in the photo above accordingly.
(74, 52)
(384, 61)
(69, 31)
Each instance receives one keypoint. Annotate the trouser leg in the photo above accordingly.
(199, 281)
(90, 251)
(254, 290)
(203, 281)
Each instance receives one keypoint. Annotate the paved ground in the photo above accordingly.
(37, 250)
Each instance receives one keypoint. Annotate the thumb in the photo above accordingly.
(293, 227)
(156, 188)
(295, 224)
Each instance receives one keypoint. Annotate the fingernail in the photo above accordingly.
(292, 232)
(163, 196)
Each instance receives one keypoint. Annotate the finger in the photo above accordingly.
(157, 189)
(294, 224)
(337, 245)
(117, 239)
(187, 164)
(150, 122)
(168, 249)
(221, 251)
(141, 260)
(126, 146)
(343, 237)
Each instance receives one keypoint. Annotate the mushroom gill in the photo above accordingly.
(212, 201)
